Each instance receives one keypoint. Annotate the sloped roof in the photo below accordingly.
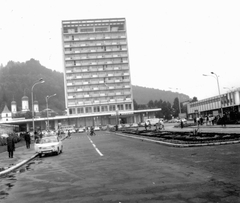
(6, 110)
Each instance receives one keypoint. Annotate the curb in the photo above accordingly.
(10, 169)
(179, 145)
(18, 165)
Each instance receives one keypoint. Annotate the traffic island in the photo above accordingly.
(187, 138)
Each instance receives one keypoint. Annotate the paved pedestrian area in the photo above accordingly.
(20, 154)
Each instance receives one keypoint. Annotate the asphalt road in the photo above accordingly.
(111, 168)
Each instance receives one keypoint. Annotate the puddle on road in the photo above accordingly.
(8, 181)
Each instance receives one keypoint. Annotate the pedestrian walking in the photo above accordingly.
(69, 134)
(181, 123)
(162, 125)
(92, 132)
(27, 139)
(10, 145)
(145, 125)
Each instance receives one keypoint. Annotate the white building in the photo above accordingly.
(96, 66)
(212, 106)
(6, 115)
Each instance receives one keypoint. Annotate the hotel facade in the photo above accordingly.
(97, 77)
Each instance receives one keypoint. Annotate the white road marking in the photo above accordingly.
(95, 147)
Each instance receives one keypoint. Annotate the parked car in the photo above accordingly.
(96, 128)
(81, 130)
(141, 124)
(127, 125)
(49, 145)
(134, 125)
(105, 127)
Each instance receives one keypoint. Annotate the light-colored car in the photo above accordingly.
(134, 125)
(81, 130)
(49, 145)
(127, 125)
(96, 128)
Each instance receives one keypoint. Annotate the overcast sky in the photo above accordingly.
(171, 43)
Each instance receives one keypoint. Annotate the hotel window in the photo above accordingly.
(128, 106)
(80, 110)
(96, 109)
(88, 109)
(104, 108)
(120, 107)
(72, 111)
(112, 108)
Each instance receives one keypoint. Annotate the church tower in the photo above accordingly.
(14, 107)
(25, 104)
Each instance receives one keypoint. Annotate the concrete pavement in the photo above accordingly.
(22, 155)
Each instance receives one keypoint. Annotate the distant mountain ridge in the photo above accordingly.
(16, 79)
(143, 95)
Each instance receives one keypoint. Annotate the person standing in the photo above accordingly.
(27, 139)
(181, 123)
(69, 134)
(10, 145)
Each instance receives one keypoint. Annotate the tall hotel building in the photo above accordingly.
(96, 66)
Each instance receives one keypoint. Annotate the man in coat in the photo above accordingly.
(10, 145)
(27, 139)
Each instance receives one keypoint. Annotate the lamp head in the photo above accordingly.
(212, 72)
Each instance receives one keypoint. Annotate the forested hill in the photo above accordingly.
(16, 80)
(143, 95)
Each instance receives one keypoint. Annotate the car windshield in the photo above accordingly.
(48, 140)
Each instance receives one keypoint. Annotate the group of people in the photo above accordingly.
(159, 125)
(11, 142)
(91, 131)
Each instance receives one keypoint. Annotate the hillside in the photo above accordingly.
(16, 80)
(143, 95)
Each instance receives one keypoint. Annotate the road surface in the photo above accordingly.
(111, 168)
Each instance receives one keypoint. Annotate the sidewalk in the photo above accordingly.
(21, 156)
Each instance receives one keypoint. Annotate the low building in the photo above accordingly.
(6, 115)
(228, 102)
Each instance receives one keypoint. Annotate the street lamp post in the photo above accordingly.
(47, 97)
(216, 77)
(38, 82)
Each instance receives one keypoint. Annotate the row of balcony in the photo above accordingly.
(97, 69)
(97, 82)
(89, 63)
(91, 38)
(91, 31)
(102, 56)
(100, 75)
(110, 101)
(110, 94)
(101, 88)
(95, 44)
(98, 50)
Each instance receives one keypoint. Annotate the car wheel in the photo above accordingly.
(40, 155)
(61, 150)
